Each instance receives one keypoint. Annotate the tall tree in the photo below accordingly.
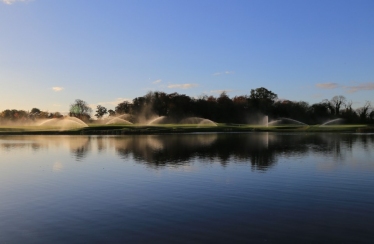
(349, 113)
(337, 102)
(263, 94)
(363, 112)
(123, 108)
(35, 111)
(160, 103)
(226, 108)
(111, 112)
(262, 99)
(100, 111)
(80, 109)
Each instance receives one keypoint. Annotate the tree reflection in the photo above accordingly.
(261, 150)
(80, 147)
(163, 150)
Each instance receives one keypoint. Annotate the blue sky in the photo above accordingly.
(53, 52)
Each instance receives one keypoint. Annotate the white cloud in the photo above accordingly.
(182, 86)
(9, 2)
(361, 87)
(157, 81)
(330, 85)
(223, 73)
(57, 88)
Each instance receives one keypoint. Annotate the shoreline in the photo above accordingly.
(182, 129)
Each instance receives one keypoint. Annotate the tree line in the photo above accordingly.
(242, 109)
(22, 116)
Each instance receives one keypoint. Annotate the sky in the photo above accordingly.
(104, 52)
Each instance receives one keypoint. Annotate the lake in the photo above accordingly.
(188, 188)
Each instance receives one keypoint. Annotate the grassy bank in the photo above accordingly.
(176, 128)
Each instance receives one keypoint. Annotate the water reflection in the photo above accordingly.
(161, 150)
(80, 147)
(261, 150)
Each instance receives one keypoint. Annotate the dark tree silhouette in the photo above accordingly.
(35, 111)
(363, 112)
(337, 102)
(100, 111)
(123, 108)
(262, 99)
(111, 112)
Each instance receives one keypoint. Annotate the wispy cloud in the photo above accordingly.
(223, 73)
(157, 81)
(361, 87)
(9, 2)
(330, 85)
(57, 88)
(182, 86)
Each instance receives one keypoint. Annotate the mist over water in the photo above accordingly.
(219, 188)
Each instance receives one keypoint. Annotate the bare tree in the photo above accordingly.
(371, 115)
(363, 112)
(329, 105)
(337, 102)
(348, 106)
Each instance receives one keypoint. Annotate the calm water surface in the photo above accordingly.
(193, 188)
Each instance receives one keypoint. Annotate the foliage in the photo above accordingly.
(35, 111)
(100, 111)
(80, 109)
(123, 108)
(241, 109)
(14, 115)
(111, 112)
(244, 109)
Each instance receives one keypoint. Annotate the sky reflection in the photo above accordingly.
(299, 188)
(261, 150)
